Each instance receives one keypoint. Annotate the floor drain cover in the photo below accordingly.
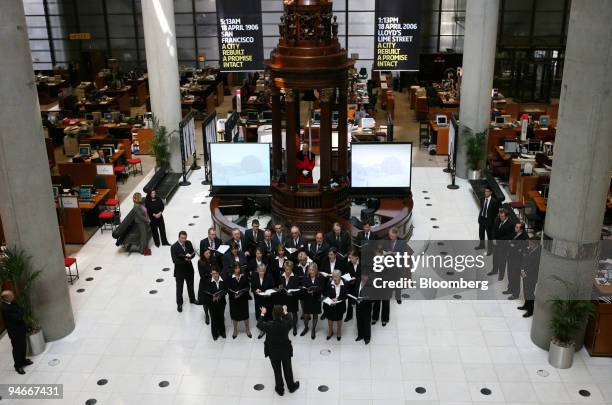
(425, 191)
(450, 273)
(91, 401)
(54, 362)
(584, 393)
(166, 269)
(203, 202)
(103, 381)
(163, 384)
(428, 205)
(196, 216)
(444, 253)
(427, 198)
(420, 390)
(436, 227)
(258, 387)
(323, 388)
(406, 296)
(159, 280)
(440, 243)
(485, 391)
(191, 224)
(457, 296)
(433, 219)
(543, 373)
(80, 290)
(153, 292)
(325, 352)
(89, 279)
(98, 268)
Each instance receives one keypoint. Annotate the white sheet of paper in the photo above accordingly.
(268, 292)
(328, 301)
(346, 277)
(222, 249)
(292, 290)
(291, 250)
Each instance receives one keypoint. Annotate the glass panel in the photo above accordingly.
(548, 23)
(450, 5)
(33, 7)
(184, 25)
(90, 7)
(121, 26)
(119, 6)
(205, 6)
(93, 24)
(367, 5)
(182, 6)
(515, 5)
(361, 24)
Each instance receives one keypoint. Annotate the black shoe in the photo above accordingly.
(399, 302)
(179, 308)
(506, 292)
(207, 320)
(166, 243)
(384, 324)
(323, 317)
(366, 341)
(491, 273)
(261, 334)
(194, 302)
(223, 336)
(338, 338)
(348, 318)
(19, 370)
(374, 322)
(295, 387)
(305, 331)
(279, 392)
(157, 244)
(294, 331)
(250, 336)
(512, 297)
(527, 314)
(479, 247)
(500, 278)
(234, 336)
(215, 337)
(313, 334)
(522, 308)
(489, 253)
(27, 362)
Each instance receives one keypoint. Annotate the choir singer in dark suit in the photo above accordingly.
(278, 348)
(340, 239)
(363, 237)
(363, 308)
(13, 315)
(212, 243)
(182, 252)
(489, 207)
(518, 248)
(503, 229)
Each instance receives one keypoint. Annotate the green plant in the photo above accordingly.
(569, 313)
(475, 149)
(15, 268)
(160, 144)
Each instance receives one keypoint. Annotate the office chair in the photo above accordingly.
(363, 73)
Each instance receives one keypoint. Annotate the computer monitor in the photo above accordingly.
(335, 116)
(56, 190)
(85, 192)
(267, 116)
(84, 150)
(89, 117)
(316, 116)
(544, 120)
(108, 151)
(368, 123)
(441, 120)
(499, 120)
(534, 146)
(108, 116)
(252, 116)
(511, 146)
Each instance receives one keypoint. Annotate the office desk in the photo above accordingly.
(121, 96)
(74, 220)
(441, 139)
(515, 175)
(538, 199)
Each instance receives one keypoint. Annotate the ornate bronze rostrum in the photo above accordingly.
(309, 57)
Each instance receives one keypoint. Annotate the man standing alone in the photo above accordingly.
(13, 314)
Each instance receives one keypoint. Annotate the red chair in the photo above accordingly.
(106, 218)
(132, 165)
(112, 204)
(68, 262)
(119, 170)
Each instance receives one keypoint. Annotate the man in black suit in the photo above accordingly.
(489, 207)
(268, 246)
(13, 314)
(392, 243)
(318, 249)
(182, 253)
(278, 348)
(503, 230)
(296, 242)
(517, 249)
(340, 239)
(239, 241)
(363, 308)
(253, 236)
(363, 237)
(279, 237)
(212, 243)
(529, 275)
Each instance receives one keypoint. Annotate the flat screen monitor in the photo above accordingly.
(267, 116)
(316, 116)
(368, 123)
(108, 151)
(85, 192)
(544, 120)
(84, 150)
(511, 146)
(381, 169)
(56, 190)
(441, 120)
(252, 116)
(335, 115)
(507, 119)
(108, 116)
(240, 168)
(534, 146)
(499, 120)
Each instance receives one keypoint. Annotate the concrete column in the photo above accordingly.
(27, 208)
(478, 65)
(581, 166)
(162, 67)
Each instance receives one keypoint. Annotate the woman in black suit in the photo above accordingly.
(252, 265)
(314, 283)
(332, 262)
(233, 256)
(336, 291)
(239, 301)
(155, 208)
(260, 282)
(205, 264)
(276, 267)
(216, 290)
(290, 281)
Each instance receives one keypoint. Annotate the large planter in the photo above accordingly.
(559, 355)
(36, 343)
(474, 174)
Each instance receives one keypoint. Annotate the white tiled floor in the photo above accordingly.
(451, 348)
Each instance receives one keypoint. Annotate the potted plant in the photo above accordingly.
(475, 154)
(15, 270)
(160, 144)
(569, 316)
